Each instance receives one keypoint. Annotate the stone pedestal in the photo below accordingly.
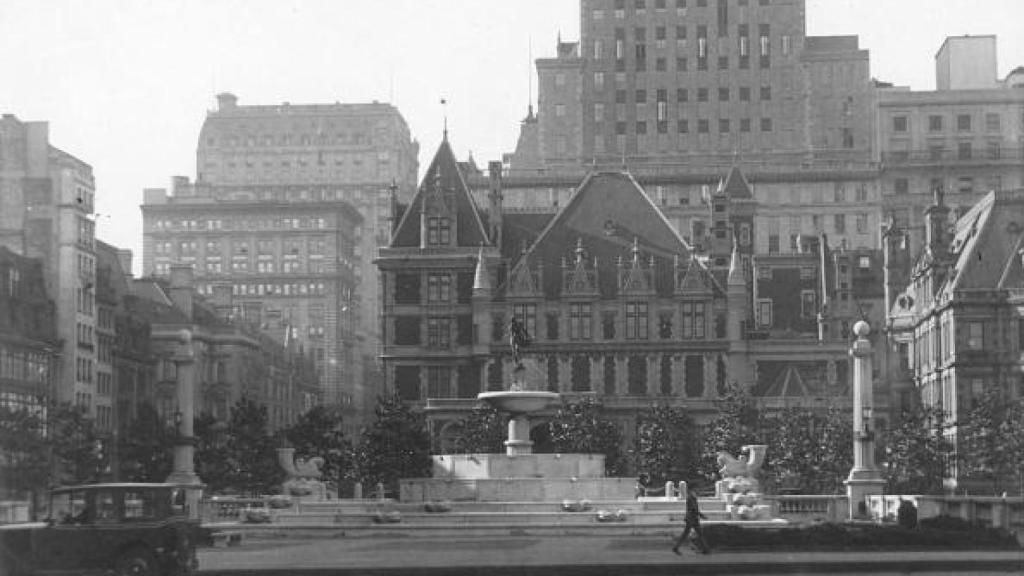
(184, 446)
(865, 478)
(518, 442)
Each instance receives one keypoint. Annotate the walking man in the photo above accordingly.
(693, 517)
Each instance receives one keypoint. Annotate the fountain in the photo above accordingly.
(519, 475)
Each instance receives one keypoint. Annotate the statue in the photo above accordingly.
(303, 475)
(739, 485)
(518, 338)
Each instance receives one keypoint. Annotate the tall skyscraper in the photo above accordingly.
(46, 212)
(288, 207)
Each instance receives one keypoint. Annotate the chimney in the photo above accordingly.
(180, 186)
(226, 101)
(124, 257)
(182, 288)
(496, 198)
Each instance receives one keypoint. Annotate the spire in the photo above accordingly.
(481, 280)
(444, 106)
(735, 268)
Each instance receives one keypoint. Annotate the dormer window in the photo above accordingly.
(438, 231)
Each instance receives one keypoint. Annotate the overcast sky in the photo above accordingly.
(125, 84)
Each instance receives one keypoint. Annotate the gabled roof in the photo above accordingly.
(735, 185)
(444, 172)
(605, 216)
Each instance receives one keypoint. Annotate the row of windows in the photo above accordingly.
(214, 266)
(682, 95)
(83, 370)
(962, 185)
(23, 365)
(84, 335)
(937, 122)
(684, 126)
(585, 374)
(270, 289)
(641, 6)
(287, 247)
(296, 223)
(637, 322)
(937, 151)
(252, 140)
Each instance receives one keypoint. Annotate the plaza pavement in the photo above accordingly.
(569, 556)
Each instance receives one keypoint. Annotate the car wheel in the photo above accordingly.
(136, 562)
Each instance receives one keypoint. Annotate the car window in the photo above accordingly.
(71, 508)
(140, 505)
(105, 508)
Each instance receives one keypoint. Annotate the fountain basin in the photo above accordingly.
(519, 401)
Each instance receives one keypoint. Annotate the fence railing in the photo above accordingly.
(994, 511)
(809, 508)
(228, 508)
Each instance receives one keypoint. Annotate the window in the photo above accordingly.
(636, 321)
(702, 94)
(744, 94)
(965, 185)
(641, 127)
(993, 151)
(438, 231)
(703, 126)
(526, 315)
(694, 321)
(439, 382)
(745, 125)
(862, 223)
(935, 123)
(808, 304)
(764, 313)
(993, 122)
(723, 94)
(580, 321)
(766, 92)
(840, 223)
(963, 122)
(439, 332)
(964, 150)
(599, 80)
(683, 126)
(901, 186)
(682, 95)
(723, 125)
(975, 335)
(899, 123)
(439, 288)
(766, 124)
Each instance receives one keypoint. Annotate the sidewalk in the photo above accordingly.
(572, 556)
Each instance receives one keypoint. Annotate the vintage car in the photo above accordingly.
(140, 529)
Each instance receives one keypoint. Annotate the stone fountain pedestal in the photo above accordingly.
(519, 475)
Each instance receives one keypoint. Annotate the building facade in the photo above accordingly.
(966, 138)
(618, 305)
(958, 324)
(288, 206)
(227, 358)
(47, 212)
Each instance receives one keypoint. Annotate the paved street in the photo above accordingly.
(572, 556)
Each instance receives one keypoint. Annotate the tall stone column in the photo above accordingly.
(184, 472)
(865, 478)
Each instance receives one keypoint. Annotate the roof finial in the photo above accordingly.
(444, 106)
(579, 250)
(636, 249)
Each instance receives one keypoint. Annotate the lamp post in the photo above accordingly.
(184, 472)
(865, 478)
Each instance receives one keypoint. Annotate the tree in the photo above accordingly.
(918, 452)
(665, 446)
(810, 450)
(213, 465)
(146, 447)
(25, 450)
(394, 446)
(250, 450)
(989, 441)
(318, 432)
(579, 428)
(483, 432)
(736, 424)
(75, 447)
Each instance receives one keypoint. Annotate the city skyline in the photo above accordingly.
(476, 55)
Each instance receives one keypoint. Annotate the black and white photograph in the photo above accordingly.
(511, 287)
